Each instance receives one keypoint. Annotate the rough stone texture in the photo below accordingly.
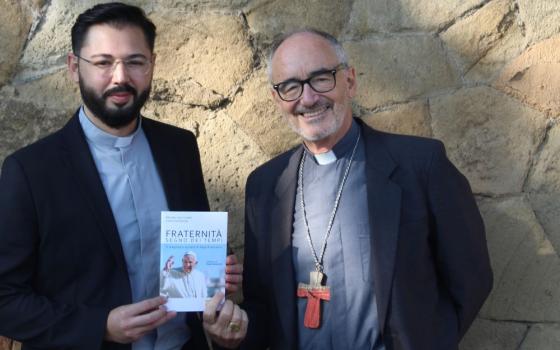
(469, 39)
(48, 47)
(267, 18)
(489, 137)
(255, 112)
(199, 4)
(533, 76)
(178, 114)
(400, 68)
(526, 266)
(409, 119)
(15, 22)
(541, 18)
(369, 16)
(544, 186)
(479, 74)
(63, 93)
(21, 124)
(225, 170)
(193, 53)
(542, 337)
(492, 335)
(496, 58)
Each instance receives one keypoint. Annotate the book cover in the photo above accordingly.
(192, 258)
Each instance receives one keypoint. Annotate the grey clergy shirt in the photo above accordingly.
(135, 193)
(349, 320)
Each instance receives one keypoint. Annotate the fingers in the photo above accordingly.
(234, 276)
(209, 315)
(143, 306)
(127, 323)
(231, 259)
(229, 328)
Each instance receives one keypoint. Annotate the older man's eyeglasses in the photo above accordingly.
(321, 81)
(135, 66)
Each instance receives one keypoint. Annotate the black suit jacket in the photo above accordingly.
(62, 267)
(430, 263)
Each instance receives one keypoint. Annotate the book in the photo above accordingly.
(192, 258)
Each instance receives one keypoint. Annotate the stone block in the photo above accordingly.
(489, 136)
(541, 18)
(183, 116)
(254, 111)
(202, 57)
(489, 67)
(409, 119)
(472, 37)
(374, 16)
(544, 186)
(545, 175)
(268, 19)
(399, 68)
(533, 77)
(542, 337)
(182, 5)
(15, 22)
(493, 335)
(228, 156)
(526, 266)
(54, 91)
(23, 123)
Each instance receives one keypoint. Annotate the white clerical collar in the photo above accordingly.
(325, 158)
(100, 137)
(342, 148)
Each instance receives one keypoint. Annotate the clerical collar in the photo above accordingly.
(343, 147)
(103, 138)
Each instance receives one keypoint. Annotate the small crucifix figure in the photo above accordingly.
(314, 292)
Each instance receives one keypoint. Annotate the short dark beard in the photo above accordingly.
(114, 118)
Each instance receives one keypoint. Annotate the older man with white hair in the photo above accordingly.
(184, 282)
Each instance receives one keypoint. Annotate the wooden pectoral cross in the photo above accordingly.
(314, 292)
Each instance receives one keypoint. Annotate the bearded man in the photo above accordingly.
(80, 209)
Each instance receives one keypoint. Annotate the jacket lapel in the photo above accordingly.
(282, 210)
(384, 205)
(93, 192)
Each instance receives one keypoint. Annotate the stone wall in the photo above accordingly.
(481, 75)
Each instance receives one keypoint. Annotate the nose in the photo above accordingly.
(308, 96)
(120, 74)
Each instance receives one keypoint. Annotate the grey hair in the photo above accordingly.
(336, 45)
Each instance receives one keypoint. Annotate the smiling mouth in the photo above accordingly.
(315, 113)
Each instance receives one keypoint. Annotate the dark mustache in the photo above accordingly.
(120, 88)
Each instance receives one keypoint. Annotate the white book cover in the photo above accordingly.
(193, 258)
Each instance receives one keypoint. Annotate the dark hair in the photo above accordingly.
(115, 14)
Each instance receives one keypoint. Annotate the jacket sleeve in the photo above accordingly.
(253, 291)
(460, 243)
(26, 315)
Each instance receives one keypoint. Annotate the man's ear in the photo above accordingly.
(72, 64)
(351, 82)
(275, 97)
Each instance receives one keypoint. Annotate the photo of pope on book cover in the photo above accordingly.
(192, 258)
